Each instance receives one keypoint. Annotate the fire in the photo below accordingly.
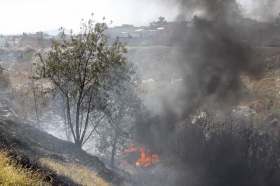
(123, 164)
(146, 158)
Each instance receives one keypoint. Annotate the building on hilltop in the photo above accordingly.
(37, 35)
(249, 30)
(3, 41)
(146, 33)
(14, 41)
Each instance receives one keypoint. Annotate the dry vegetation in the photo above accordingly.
(80, 174)
(19, 73)
(13, 174)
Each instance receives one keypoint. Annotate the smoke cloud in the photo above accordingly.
(211, 60)
(262, 10)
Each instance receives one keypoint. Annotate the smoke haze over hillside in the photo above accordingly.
(211, 61)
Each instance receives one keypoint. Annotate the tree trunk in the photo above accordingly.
(78, 137)
(117, 131)
(69, 121)
(66, 126)
(114, 148)
(35, 105)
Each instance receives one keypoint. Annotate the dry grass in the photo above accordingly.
(19, 73)
(77, 173)
(12, 174)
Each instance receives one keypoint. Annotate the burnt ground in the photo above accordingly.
(27, 144)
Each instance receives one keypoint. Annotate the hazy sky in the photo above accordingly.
(17, 16)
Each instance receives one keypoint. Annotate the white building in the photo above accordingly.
(163, 31)
(3, 42)
(18, 42)
(144, 33)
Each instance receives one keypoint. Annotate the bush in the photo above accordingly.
(232, 156)
(209, 152)
(21, 99)
(4, 79)
(27, 56)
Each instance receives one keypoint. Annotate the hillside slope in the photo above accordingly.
(153, 62)
(158, 63)
(161, 60)
(30, 145)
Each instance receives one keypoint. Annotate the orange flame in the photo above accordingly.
(146, 158)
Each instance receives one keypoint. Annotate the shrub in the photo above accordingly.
(209, 152)
(4, 79)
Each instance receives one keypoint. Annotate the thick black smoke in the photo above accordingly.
(205, 8)
(216, 57)
(213, 57)
(262, 10)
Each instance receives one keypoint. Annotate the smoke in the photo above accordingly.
(262, 10)
(189, 8)
(212, 59)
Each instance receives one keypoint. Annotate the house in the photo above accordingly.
(37, 35)
(18, 42)
(3, 41)
(163, 35)
(121, 31)
(11, 41)
(163, 31)
(146, 33)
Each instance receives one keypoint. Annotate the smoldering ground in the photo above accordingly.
(216, 57)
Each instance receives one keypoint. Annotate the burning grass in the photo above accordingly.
(13, 174)
(77, 173)
(146, 157)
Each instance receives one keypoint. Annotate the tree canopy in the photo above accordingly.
(85, 70)
(116, 136)
(155, 24)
